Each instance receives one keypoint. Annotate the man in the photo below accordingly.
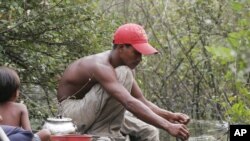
(95, 90)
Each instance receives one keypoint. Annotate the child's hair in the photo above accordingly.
(9, 83)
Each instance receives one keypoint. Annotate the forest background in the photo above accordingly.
(203, 68)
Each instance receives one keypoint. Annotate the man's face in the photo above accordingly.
(130, 56)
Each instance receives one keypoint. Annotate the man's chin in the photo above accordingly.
(132, 67)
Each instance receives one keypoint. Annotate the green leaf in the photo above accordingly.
(236, 6)
(233, 39)
(223, 53)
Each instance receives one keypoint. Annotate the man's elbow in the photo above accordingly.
(131, 105)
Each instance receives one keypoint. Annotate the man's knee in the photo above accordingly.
(152, 130)
(149, 133)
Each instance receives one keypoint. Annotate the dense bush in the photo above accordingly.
(202, 68)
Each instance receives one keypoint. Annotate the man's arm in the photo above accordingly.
(170, 116)
(106, 76)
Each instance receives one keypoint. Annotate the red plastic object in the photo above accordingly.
(71, 137)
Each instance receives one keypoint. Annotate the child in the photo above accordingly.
(13, 113)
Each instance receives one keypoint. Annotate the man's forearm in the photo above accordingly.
(143, 112)
(161, 112)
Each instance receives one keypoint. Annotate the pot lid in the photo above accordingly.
(63, 119)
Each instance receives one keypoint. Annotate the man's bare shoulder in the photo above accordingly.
(99, 57)
(97, 65)
(96, 61)
(100, 66)
(88, 63)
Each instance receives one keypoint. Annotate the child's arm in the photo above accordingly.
(25, 122)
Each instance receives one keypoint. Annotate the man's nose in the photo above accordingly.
(139, 58)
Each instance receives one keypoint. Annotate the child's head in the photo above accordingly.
(9, 84)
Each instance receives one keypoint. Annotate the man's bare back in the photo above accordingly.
(79, 78)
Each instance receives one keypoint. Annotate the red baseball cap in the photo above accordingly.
(135, 35)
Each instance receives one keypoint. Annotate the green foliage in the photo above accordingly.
(202, 68)
(223, 54)
(239, 113)
(41, 39)
(203, 60)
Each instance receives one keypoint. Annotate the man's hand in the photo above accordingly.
(181, 118)
(179, 130)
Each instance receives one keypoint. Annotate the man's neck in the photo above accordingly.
(114, 59)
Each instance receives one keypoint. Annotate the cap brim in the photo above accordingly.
(145, 48)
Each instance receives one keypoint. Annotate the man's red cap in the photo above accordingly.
(135, 35)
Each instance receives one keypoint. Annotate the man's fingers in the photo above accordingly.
(185, 121)
(184, 132)
(184, 136)
(184, 118)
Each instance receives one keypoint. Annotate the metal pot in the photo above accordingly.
(60, 126)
